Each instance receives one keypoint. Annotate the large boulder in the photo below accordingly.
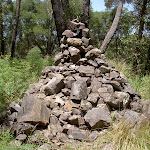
(33, 111)
(98, 118)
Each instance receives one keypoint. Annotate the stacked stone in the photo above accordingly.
(77, 95)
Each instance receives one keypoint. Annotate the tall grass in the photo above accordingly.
(141, 84)
(17, 74)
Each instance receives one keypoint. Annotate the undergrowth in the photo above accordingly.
(140, 83)
(16, 75)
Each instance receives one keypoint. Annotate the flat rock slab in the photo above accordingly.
(33, 111)
(98, 118)
(74, 41)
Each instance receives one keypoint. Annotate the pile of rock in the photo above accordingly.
(78, 95)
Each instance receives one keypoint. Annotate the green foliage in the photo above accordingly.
(17, 74)
(35, 60)
(5, 138)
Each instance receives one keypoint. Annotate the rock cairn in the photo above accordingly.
(78, 96)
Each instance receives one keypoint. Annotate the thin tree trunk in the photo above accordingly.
(113, 27)
(49, 52)
(1, 32)
(59, 18)
(14, 34)
(85, 12)
(66, 9)
(140, 34)
(147, 68)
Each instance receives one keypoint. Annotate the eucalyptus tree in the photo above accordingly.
(85, 12)
(141, 7)
(1, 29)
(14, 34)
(108, 37)
(59, 17)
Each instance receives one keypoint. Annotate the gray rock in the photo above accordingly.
(74, 42)
(146, 108)
(63, 40)
(76, 111)
(114, 74)
(93, 53)
(131, 118)
(54, 86)
(97, 73)
(82, 61)
(25, 128)
(76, 25)
(33, 111)
(79, 90)
(14, 107)
(92, 63)
(98, 118)
(86, 70)
(69, 33)
(62, 137)
(136, 106)
(116, 85)
(109, 88)
(105, 69)
(48, 69)
(75, 54)
(85, 33)
(57, 58)
(69, 80)
(85, 42)
(65, 116)
(109, 99)
(45, 146)
(77, 134)
(93, 98)
(93, 136)
(85, 105)
(74, 120)
(55, 126)
(101, 62)
(123, 97)
(63, 47)
(15, 143)
(95, 84)
(21, 137)
(66, 91)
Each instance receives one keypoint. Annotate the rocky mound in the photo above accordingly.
(78, 95)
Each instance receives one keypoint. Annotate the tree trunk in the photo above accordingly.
(66, 9)
(112, 28)
(147, 68)
(59, 18)
(14, 34)
(50, 31)
(140, 34)
(85, 12)
(1, 31)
